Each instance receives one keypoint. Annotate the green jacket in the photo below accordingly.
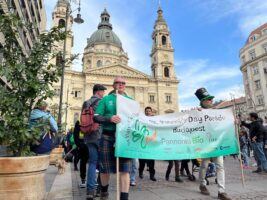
(106, 109)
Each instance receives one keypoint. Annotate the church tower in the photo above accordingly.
(59, 17)
(162, 66)
(162, 58)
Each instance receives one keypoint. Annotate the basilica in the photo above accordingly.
(104, 59)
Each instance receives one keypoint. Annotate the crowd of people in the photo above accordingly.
(97, 149)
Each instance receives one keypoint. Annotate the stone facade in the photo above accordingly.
(104, 59)
(253, 58)
(31, 11)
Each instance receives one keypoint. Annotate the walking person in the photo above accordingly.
(176, 168)
(106, 115)
(82, 153)
(257, 132)
(92, 142)
(143, 162)
(206, 103)
(184, 166)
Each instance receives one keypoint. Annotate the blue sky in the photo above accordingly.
(206, 36)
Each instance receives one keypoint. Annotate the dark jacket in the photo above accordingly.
(94, 137)
(255, 129)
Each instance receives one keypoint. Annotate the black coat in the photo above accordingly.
(255, 129)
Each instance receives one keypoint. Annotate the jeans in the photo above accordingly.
(244, 151)
(220, 172)
(133, 171)
(259, 153)
(91, 172)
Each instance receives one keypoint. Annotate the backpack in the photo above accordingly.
(87, 124)
(46, 140)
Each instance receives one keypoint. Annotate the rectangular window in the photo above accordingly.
(258, 84)
(255, 69)
(57, 92)
(77, 94)
(264, 48)
(168, 99)
(260, 100)
(151, 98)
(252, 55)
(264, 31)
(253, 38)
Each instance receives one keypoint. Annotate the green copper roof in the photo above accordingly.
(104, 34)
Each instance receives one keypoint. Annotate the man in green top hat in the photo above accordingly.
(204, 97)
(206, 102)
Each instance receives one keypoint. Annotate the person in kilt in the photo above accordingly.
(106, 115)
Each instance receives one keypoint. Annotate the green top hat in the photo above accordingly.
(202, 94)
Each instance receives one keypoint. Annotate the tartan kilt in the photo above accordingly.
(107, 159)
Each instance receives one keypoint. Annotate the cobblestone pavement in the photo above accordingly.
(255, 185)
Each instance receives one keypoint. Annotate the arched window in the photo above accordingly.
(89, 63)
(99, 63)
(166, 72)
(108, 62)
(164, 40)
(61, 23)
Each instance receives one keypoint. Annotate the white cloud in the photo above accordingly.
(249, 14)
(228, 93)
(203, 73)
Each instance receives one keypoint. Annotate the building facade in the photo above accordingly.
(32, 11)
(253, 58)
(104, 59)
(239, 104)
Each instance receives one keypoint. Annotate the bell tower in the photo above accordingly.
(62, 19)
(162, 54)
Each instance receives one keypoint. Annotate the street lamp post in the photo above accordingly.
(78, 20)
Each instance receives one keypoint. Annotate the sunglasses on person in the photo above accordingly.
(119, 83)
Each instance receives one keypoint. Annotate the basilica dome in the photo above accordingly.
(104, 34)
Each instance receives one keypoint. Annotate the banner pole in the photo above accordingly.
(117, 167)
(238, 144)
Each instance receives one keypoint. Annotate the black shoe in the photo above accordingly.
(153, 178)
(82, 184)
(191, 178)
(141, 175)
(204, 190)
(257, 171)
(178, 179)
(90, 196)
(167, 176)
(104, 196)
(223, 196)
